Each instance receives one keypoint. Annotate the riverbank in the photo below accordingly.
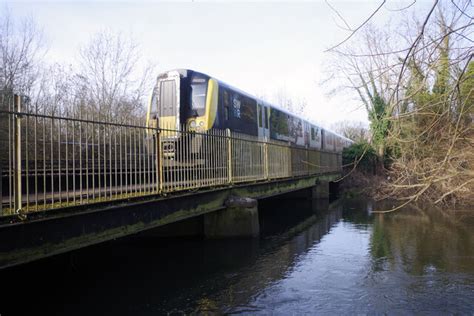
(380, 186)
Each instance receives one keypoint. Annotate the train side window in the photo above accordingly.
(226, 98)
(259, 111)
(226, 101)
(313, 134)
(267, 116)
(247, 110)
(236, 105)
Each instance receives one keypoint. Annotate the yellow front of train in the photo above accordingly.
(183, 101)
(164, 108)
(203, 104)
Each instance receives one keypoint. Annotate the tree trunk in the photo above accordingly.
(381, 156)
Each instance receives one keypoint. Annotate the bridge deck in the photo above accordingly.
(50, 232)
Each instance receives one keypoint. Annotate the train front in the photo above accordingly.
(182, 101)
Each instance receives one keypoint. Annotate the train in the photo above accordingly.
(195, 101)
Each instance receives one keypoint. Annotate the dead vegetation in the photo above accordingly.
(420, 101)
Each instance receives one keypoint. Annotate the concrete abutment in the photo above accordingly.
(322, 190)
(238, 220)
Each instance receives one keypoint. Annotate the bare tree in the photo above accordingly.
(414, 80)
(365, 70)
(356, 131)
(57, 92)
(21, 47)
(112, 79)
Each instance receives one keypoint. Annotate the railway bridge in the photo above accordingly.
(70, 181)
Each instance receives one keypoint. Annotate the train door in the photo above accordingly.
(266, 121)
(168, 102)
(263, 131)
(323, 139)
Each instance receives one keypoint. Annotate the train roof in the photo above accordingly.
(184, 72)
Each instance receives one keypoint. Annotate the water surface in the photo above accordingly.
(312, 258)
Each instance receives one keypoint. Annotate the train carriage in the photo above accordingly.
(186, 100)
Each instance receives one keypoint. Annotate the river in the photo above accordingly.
(312, 258)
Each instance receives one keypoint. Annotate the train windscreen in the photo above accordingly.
(198, 95)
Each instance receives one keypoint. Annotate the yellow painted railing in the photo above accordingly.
(50, 162)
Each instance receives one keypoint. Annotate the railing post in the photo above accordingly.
(17, 151)
(229, 156)
(159, 159)
(4, 106)
(265, 161)
(340, 161)
(1, 190)
(307, 162)
(290, 161)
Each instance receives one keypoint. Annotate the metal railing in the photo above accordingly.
(49, 162)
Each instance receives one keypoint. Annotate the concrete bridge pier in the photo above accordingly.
(321, 190)
(238, 220)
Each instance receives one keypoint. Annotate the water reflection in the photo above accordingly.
(312, 258)
(412, 261)
(422, 240)
(422, 261)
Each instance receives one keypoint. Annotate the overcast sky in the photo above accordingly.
(259, 47)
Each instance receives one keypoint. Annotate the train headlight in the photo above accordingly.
(201, 123)
(192, 124)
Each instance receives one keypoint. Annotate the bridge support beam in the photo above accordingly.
(238, 220)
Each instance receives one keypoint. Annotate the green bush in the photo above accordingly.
(361, 153)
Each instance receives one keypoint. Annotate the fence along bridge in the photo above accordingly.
(71, 181)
